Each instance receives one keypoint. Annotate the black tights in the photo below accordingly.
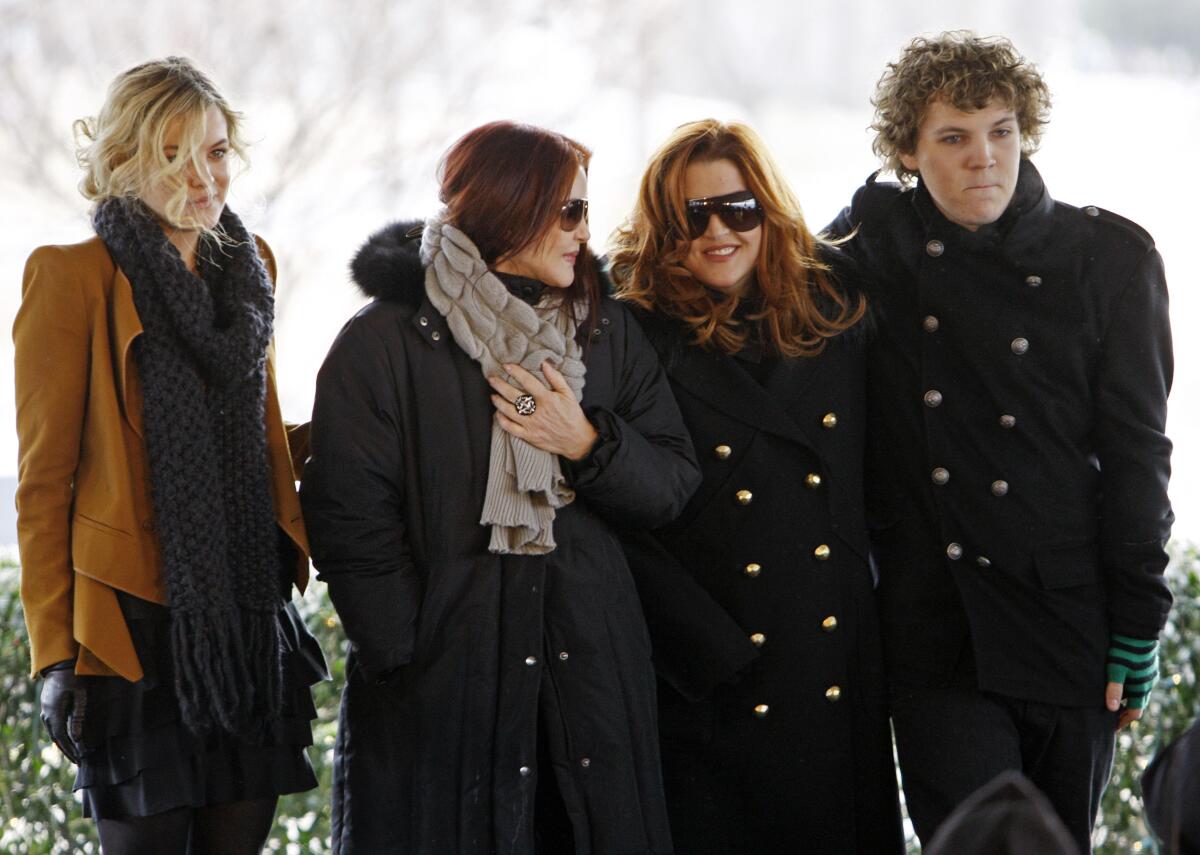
(237, 828)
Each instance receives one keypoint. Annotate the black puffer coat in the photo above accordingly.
(442, 757)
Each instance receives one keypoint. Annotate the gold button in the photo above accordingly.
(761, 710)
(812, 480)
(829, 624)
(758, 639)
(833, 693)
(822, 552)
(1008, 422)
(999, 488)
(744, 497)
(829, 421)
(931, 323)
(722, 452)
(752, 570)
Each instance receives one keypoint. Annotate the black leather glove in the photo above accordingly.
(64, 707)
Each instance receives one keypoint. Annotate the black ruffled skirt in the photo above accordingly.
(143, 760)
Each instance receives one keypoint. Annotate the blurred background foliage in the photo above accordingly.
(40, 816)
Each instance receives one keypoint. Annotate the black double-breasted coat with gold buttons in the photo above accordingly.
(761, 609)
(476, 681)
(1018, 388)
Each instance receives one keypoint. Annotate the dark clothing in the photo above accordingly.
(952, 741)
(1007, 816)
(456, 652)
(145, 761)
(1027, 364)
(760, 605)
(1017, 466)
(1171, 788)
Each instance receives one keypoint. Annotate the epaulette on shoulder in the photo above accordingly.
(875, 195)
(1128, 226)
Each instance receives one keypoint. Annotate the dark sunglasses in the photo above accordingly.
(574, 211)
(739, 211)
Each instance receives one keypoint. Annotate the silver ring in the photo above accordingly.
(525, 404)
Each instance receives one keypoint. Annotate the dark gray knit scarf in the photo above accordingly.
(202, 363)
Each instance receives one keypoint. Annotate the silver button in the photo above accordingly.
(596, 332)
(525, 771)
(564, 656)
(604, 321)
(1092, 211)
(585, 762)
(930, 324)
(1008, 422)
(935, 248)
(1033, 281)
(424, 321)
(530, 660)
(983, 562)
(436, 336)
(999, 488)
(954, 552)
(1020, 346)
(940, 475)
(933, 398)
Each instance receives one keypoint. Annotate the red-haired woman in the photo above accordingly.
(759, 598)
(479, 430)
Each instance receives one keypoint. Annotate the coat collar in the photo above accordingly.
(717, 380)
(126, 325)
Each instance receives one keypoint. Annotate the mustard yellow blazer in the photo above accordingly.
(85, 524)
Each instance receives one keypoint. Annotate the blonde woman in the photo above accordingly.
(158, 522)
(759, 597)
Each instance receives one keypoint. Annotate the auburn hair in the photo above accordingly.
(504, 185)
(798, 307)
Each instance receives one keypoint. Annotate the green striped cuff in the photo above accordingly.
(1134, 663)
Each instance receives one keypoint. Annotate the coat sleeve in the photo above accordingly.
(697, 644)
(1133, 379)
(51, 340)
(353, 499)
(642, 470)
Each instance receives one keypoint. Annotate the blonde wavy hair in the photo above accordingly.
(800, 308)
(121, 149)
(964, 70)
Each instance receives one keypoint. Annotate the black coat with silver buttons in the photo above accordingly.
(1019, 467)
(459, 657)
(762, 613)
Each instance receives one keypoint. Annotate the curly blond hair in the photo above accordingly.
(964, 70)
(121, 149)
(800, 309)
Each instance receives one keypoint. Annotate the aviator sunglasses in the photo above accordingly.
(574, 211)
(739, 211)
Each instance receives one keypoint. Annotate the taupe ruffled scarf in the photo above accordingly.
(525, 484)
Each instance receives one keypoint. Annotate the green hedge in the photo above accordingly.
(39, 816)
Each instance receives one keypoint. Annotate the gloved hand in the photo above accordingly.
(1132, 673)
(64, 707)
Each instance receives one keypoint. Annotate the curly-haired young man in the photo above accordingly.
(1018, 480)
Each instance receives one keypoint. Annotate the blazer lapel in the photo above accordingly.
(126, 326)
(720, 382)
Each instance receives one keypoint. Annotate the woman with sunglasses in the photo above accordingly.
(759, 598)
(158, 520)
(479, 431)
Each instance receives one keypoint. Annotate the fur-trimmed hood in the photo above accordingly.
(388, 265)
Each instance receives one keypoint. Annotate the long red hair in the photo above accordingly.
(801, 308)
